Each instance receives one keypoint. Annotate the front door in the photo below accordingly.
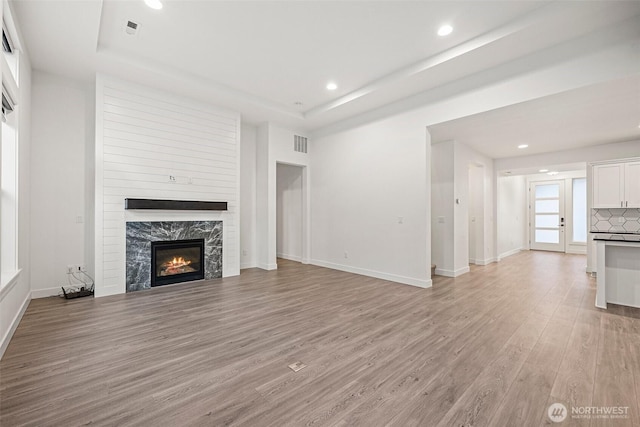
(547, 216)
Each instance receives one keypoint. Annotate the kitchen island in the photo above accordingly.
(618, 269)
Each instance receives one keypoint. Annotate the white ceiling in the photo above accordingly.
(608, 112)
(261, 57)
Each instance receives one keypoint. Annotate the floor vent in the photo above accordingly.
(299, 144)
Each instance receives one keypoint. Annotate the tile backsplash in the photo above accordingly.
(615, 220)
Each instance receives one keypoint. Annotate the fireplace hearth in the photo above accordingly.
(141, 235)
(177, 261)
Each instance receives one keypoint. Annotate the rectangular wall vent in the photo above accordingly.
(299, 144)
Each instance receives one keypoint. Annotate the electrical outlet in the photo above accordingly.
(70, 268)
(346, 254)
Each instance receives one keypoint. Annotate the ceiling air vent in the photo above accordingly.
(132, 28)
(299, 144)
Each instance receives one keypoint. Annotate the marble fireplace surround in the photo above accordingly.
(140, 234)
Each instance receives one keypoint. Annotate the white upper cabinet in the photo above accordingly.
(616, 185)
(608, 186)
(632, 185)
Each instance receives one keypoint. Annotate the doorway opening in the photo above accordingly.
(558, 215)
(542, 209)
(476, 214)
(289, 211)
(547, 216)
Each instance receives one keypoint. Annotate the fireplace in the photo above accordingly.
(140, 236)
(176, 261)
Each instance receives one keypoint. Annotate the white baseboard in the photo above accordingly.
(486, 261)
(295, 258)
(14, 324)
(508, 253)
(576, 251)
(44, 293)
(268, 266)
(421, 283)
(452, 273)
(247, 265)
(481, 261)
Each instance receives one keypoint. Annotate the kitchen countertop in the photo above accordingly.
(617, 237)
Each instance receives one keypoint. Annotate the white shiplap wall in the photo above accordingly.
(144, 136)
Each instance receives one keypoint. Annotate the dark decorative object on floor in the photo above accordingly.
(71, 292)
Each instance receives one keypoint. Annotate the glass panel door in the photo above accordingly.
(547, 216)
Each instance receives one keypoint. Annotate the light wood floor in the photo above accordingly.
(493, 347)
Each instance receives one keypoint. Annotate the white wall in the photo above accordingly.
(464, 157)
(512, 215)
(248, 218)
(369, 198)
(144, 137)
(476, 214)
(15, 296)
(452, 164)
(442, 200)
(63, 117)
(276, 145)
(289, 212)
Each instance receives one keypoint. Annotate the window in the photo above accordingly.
(579, 231)
(9, 143)
(7, 45)
(7, 104)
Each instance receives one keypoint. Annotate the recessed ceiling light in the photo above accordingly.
(154, 4)
(332, 86)
(543, 170)
(445, 30)
(521, 146)
(552, 173)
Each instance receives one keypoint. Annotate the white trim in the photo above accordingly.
(421, 283)
(45, 293)
(98, 199)
(606, 162)
(509, 253)
(483, 261)
(576, 251)
(486, 261)
(246, 265)
(14, 325)
(264, 266)
(10, 25)
(295, 258)
(8, 83)
(452, 273)
(8, 282)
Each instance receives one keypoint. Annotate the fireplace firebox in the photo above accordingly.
(176, 261)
